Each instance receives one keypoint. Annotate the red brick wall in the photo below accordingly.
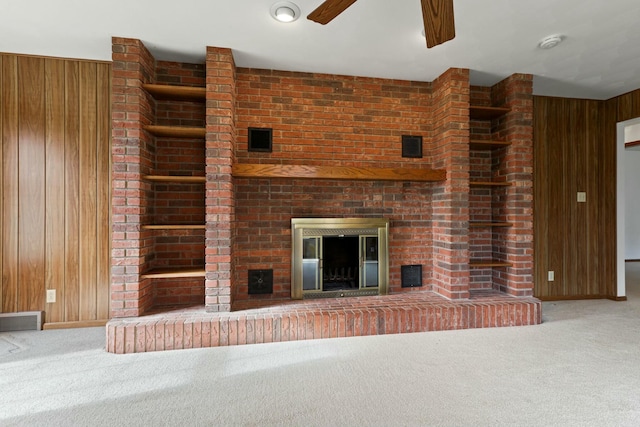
(329, 120)
(132, 156)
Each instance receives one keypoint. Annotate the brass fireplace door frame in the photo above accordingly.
(305, 227)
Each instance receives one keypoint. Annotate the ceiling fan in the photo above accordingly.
(437, 15)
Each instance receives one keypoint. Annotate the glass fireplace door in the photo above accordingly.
(369, 261)
(311, 263)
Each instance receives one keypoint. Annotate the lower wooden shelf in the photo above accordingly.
(482, 263)
(490, 224)
(173, 227)
(173, 273)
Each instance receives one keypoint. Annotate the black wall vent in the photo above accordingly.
(411, 146)
(260, 139)
(411, 276)
(260, 282)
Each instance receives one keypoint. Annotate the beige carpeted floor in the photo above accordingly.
(579, 368)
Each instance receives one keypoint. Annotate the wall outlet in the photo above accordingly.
(582, 196)
(551, 276)
(51, 296)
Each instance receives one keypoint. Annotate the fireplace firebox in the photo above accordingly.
(337, 257)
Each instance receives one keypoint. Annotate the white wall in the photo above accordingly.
(632, 193)
(632, 204)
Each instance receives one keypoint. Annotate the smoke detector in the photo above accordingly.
(550, 41)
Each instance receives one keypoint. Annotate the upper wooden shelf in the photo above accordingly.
(478, 263)
(174, 178)
(490, 224)
(632, 144)
(176, 93)
(173, 227)
(176, 131)
(489, 184)
(477, 112)
(173, 273)
(337, 172)
(481, 144)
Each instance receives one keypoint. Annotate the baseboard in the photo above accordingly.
(617, 298)
(632, 260)
(80, 324)
(570, 298)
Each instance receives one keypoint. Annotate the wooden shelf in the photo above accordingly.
(176, 93)
(176, 131)
(482, 263)
(489, 184)
(173, 274)
(632, 144)
(481, 144)
(486, 113)
(173, 227)
(337, 172)
(490, 224)
(176, 179)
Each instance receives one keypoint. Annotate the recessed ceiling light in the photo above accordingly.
(550, 41)
(285, 11)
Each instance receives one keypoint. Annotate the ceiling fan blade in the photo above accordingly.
(439, 25)
(329, 10)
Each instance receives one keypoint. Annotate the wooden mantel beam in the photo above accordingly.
(241, 170)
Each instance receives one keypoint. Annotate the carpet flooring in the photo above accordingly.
(578, 368)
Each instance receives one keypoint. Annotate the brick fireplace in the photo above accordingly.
(195, 211)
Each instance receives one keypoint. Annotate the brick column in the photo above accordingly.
(220, 197)
(450, 205)
(131, 158)
(516, 202)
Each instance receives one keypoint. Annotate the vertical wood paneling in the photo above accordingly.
(55, 184)
(103, 201)
(31, 183)
(55, 196)
(87, 172)
(575, 151)
(10, 260)
(72, 193)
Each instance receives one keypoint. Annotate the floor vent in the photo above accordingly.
(23, 321)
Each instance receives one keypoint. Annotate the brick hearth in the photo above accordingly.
(325, 318)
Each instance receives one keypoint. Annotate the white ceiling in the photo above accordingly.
(599, 59)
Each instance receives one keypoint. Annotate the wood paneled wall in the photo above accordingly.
(55, 185)
(574, 151)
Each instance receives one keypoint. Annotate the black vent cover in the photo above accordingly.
(260, 282)
(411, 276)
(260, 139)
(411, 146)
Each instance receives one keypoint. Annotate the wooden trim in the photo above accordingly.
(632, 260)
(177, 179)
(490, 224)
(81, 324)
(337, 172)
(174, 227)
(569, 297)
(176, 93)
(631, 144)
(58, 58)
(481, 144)
(477, 112)
(617, 299)
(489, 184)
(477, 263)
(175, 131)
(173, 274)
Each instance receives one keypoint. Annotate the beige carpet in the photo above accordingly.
(579, 368)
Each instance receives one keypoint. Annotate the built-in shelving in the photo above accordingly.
(482, 144)
(173, 227)
(173, 273)
(484, 263)
(480, 224)
(477, 112)
(176, 93)
(175, 178)
(337, 172)
(176, 131)
(489, 184)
